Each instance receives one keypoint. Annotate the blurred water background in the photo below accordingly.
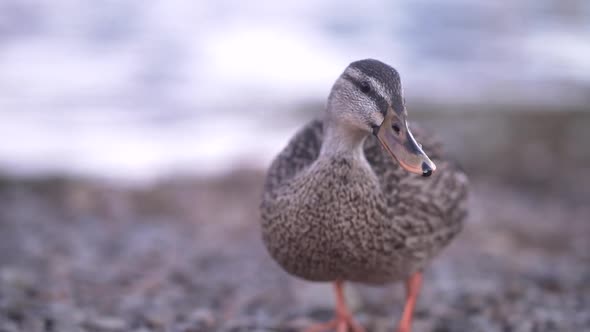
(136, 90)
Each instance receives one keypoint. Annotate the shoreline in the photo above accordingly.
(185, 254)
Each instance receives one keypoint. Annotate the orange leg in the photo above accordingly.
(413, 285)
(343, 319)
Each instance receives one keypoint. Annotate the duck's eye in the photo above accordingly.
(396, 128)
(365, 87)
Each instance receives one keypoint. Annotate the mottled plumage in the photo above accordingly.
(351, 220)
(355, 197)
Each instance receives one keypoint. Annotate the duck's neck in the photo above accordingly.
(341, 141)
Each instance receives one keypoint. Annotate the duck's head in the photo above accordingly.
(368, 98)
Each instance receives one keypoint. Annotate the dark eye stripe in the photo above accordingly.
(377, 98)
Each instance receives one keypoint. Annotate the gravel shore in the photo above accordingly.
(185, 255)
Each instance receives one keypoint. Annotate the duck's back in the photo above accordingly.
(423, 214)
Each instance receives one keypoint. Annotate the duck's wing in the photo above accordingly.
(301, 151)
(429, 211)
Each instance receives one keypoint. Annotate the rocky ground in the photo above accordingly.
(185, 255)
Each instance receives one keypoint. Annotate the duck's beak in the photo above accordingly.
(402, 146)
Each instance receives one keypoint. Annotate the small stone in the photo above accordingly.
(158, 318)
(321, 295)
(200, 320)
(377, 324)
(202, 316)
(142, 329)
(106, 324)
(298, 323)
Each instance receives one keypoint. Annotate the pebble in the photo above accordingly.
(106, 324)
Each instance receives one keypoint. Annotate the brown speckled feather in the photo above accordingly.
(372, 227)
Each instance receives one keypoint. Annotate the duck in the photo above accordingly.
(354, 196)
